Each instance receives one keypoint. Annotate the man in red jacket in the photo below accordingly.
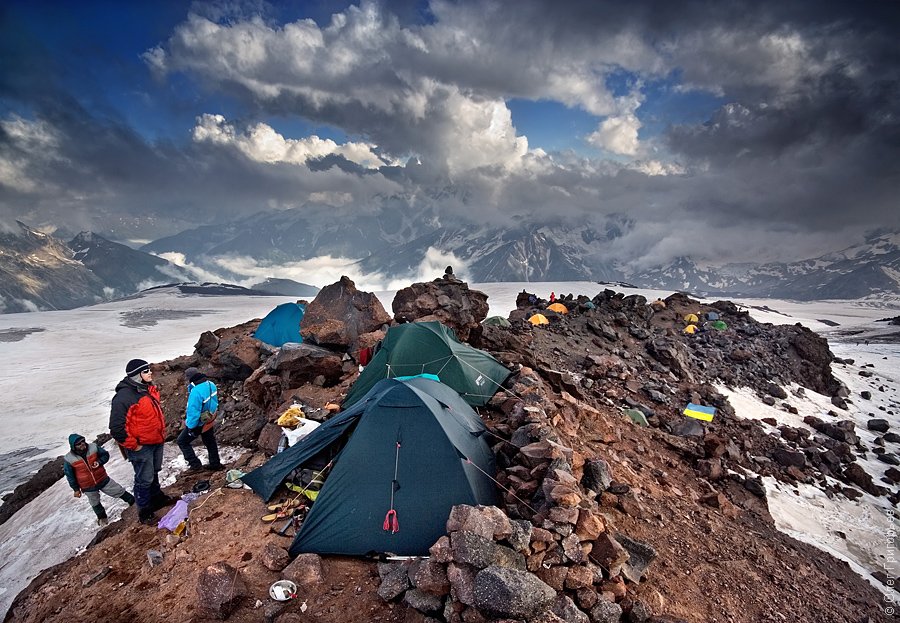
(136, 421)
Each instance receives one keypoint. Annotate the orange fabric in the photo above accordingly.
(144, 422)
(88, 471)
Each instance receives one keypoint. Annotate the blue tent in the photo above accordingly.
(281, 325)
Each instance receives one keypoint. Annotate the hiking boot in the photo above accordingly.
(214, 467)
(102, 521)
(194, 469)
(145, 516)
(161, 501)
(128, 498)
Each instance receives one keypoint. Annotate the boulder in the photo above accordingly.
(305, 570)
(235, 359)
(297, 364)
(220, 589)
(275, 558)
(511, 593)
(340, 314)
(448, 301)
(394, 580)
(640, 555)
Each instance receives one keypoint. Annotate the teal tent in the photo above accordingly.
(499, 321)
(401, 457)
(432, 348)
(281, 325)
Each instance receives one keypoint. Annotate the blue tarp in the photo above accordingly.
(281, 325)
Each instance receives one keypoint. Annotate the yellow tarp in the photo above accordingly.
(291, 417)
(538, 319)
(559, 308)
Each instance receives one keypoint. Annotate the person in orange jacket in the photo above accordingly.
(83, 467)
(136, 421)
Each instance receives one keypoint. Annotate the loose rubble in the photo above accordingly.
(589, 438)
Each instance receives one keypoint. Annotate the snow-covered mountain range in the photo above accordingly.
(39, 272)
(869, 269)
(394, 244)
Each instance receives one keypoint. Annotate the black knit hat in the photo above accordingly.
(136, 366)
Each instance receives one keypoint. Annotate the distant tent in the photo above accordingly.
(712, 316)
(559, 308)
(658, 304)
(589, 305)
(404, 455)
(691, 318)
(718, 324)
(499, 321)
(432, 348)
(281, 325)
(691, 329)
(538, 319)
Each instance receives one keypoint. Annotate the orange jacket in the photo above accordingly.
(136, 417)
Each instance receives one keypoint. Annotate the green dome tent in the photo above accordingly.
(499, 321)
(718, 324)
(431, 348)
(404, 455)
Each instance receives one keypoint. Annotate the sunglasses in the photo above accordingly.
(147, 372)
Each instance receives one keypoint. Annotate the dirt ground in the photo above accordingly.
(714, 565)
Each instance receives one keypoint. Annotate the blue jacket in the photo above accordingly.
(202, 398)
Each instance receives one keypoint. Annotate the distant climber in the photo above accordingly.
(83, 467)
(200, 420)
(552, 297)
(136, 421)
(448, 274)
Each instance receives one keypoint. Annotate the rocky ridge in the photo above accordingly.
(603, 519)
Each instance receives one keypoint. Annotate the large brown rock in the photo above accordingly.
(340, 314)
(448, 301)
(220, 590)
(297, 364)
(235, 359)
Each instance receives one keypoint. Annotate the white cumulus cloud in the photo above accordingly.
(261, 143)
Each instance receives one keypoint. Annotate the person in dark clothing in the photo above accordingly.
(83, 467)
(137, 423)
(200, 420)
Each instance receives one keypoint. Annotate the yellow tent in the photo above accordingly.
(690, 329)
(538, 319)
(691, 318)
(559, 308)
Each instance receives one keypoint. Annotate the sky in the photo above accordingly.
(739, 133)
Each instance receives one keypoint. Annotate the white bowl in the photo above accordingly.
(283, 590)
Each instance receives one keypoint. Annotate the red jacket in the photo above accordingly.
(136, 417)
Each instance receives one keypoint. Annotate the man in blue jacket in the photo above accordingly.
(200, 420)
(83, 467)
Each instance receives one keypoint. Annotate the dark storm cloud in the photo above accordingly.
(807, 141)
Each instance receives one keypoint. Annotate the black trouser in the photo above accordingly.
(209, 440)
